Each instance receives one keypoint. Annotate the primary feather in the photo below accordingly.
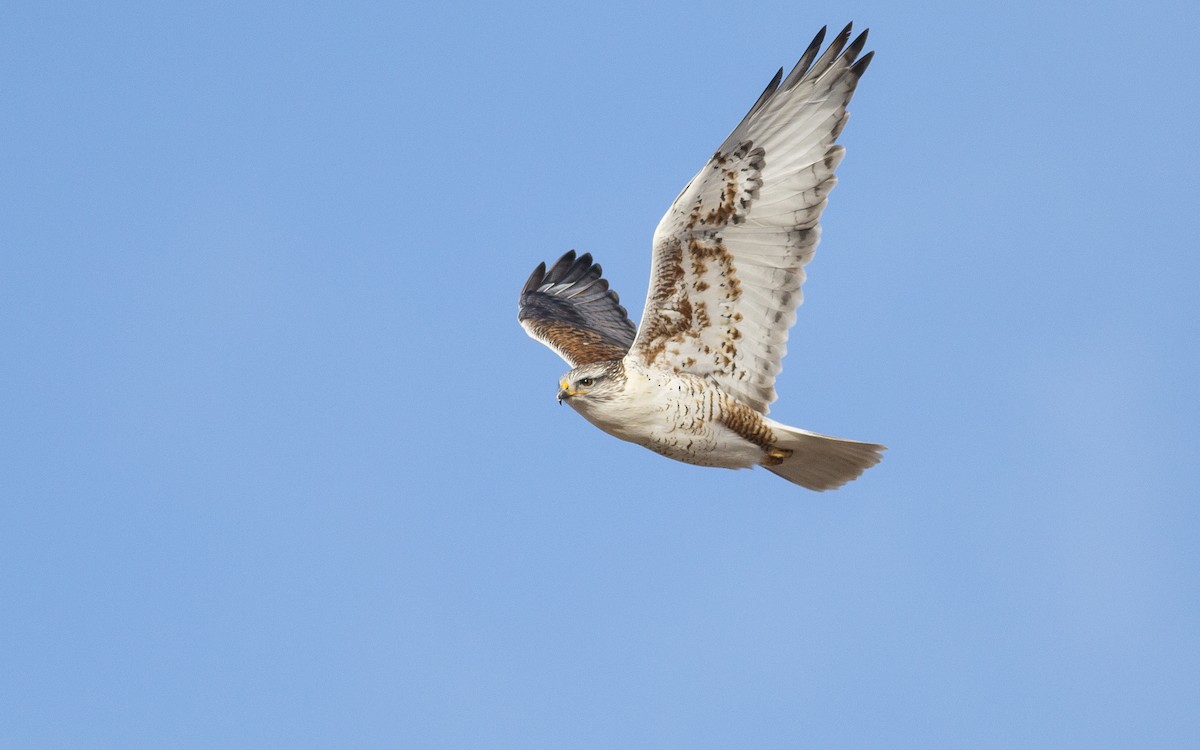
(729, 254)
(571, 309)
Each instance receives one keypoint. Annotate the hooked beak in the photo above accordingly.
(565, 391)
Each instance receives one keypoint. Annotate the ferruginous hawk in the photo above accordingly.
(694, 381)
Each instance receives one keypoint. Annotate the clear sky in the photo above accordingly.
(280, 469)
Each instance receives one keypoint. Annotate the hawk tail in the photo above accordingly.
(821, 462)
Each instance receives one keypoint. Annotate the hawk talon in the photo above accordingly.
(776, 456)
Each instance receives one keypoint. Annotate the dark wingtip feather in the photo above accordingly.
(560, 268)
(571, 308)
(806, 59)
(582, 268)
(856, 46)
(832, 52)
(767, 92)
(535, 278)
(860, 67)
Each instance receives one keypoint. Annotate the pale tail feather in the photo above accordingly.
(820, 462)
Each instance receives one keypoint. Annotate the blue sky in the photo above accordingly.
(281, 470)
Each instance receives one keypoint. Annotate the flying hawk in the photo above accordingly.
(694, 381)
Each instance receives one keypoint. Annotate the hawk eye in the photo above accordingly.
(585, 382)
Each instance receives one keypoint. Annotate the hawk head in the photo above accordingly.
(592, 383)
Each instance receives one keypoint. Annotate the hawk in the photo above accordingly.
(694, 381)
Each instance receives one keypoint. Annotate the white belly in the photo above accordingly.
(678, 417)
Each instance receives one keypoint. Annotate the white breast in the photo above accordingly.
(677, 416)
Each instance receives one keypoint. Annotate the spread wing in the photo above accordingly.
(571, 310)
(729, 255)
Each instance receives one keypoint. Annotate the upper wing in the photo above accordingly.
(729, 255)
(571, 310)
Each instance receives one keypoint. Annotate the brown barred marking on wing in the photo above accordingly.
(683, 303)
(579, 346)
(571, 309)
(665, 323)
(742, 175)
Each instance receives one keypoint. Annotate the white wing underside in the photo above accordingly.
(729, 254)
